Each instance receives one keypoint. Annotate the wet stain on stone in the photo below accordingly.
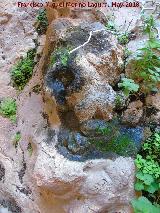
(25, 191)
(69, 120)
(21, 173)
(11, 205)
(50, 136)
(2, 172)
(63, 80)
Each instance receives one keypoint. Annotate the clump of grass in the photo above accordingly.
(42, 22)
(16, 139)
(8, 109)
(22, 71)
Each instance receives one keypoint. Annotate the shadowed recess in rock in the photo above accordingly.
(2, 172)
(11, 205)
(63, 80)
(99, 139)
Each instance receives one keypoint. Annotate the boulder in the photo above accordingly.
(35, 177)
(93, 64)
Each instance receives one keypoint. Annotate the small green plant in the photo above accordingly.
(128, 86)
(42, 22)
(22, 71)
(147, 177)
(118, 101)
(143, 205)
(16, 139)
(61, 54)
(149, 27)
(148, 168)
(146, 67)
(111, 26)
(152, 147)
(127, 53)
(123, 38)
(8, 109)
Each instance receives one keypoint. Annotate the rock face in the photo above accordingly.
(153, 108)
(16, 38)
(79, 181)
(133, 114)
(88, 72)
(34, 176)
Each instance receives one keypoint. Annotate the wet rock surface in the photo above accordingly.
(55, 167)
(9, 206)
(80, 80)
(153, 109)
(2, 172)
(94, 140)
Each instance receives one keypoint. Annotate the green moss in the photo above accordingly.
(116, 143)
(8, 109)
(22, 71)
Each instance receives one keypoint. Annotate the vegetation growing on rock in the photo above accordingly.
(128, 86)
(145, 69)
(123, 39)
(118, 143)
(8, 108)
(143, 205)
(42, 22)
(148, 175)
(22, 71)
(62, 55)
(111, 26)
